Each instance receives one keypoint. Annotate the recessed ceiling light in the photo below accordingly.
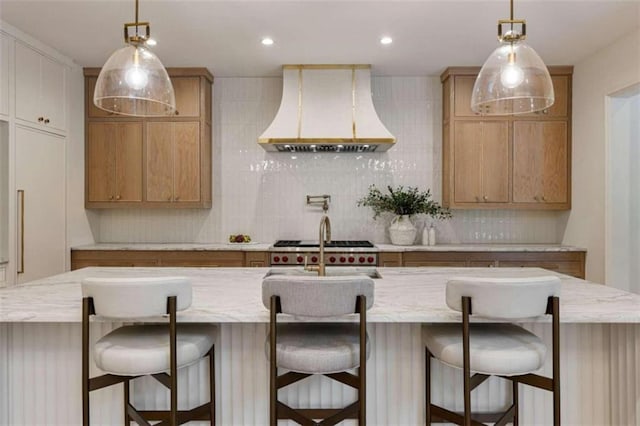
(267, 41)
(151, 42)
(386, 40)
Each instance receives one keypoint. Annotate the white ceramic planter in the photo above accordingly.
(402, 231)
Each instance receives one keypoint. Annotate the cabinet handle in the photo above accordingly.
(177, 198)
(477, 199)
(535, 197)
(545, 111)
(118, 197)
(544, 199)
(485, 198)
(169, 198)
(21, 230)
(111, 198)
(40, 119)
(177, 112)
(46, 121)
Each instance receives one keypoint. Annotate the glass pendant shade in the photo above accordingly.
(134, 82)
(513, 80)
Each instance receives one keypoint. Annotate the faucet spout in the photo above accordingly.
(324, 236)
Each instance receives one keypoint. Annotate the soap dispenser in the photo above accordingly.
(432, 235)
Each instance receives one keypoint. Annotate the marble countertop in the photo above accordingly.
(176, 246)
(380, 247)
(482, 247)
(233, 295)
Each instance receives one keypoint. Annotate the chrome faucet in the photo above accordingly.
(324, 236)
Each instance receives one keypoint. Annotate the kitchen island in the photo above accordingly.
(40, 351)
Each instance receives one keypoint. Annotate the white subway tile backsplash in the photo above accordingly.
(263, 194)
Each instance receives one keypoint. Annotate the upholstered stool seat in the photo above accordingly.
(137, 350)
(329, 347)
(146, 347)
(318, 348)
(485, 349)
(499, 349)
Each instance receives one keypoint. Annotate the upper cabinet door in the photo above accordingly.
(462, 97)
(541, 165)
(187, 90)
(560, 107)
(4, 74)
(40, 89)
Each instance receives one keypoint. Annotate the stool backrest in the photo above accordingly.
(504, 298)
(317, 296)
(136, 297)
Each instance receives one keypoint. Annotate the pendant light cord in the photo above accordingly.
(137, 15)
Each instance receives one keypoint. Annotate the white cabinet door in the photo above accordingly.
(40, 89)
(52, 97)
(4, 74)
(40, 175)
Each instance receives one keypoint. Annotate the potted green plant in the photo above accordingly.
(404, 203)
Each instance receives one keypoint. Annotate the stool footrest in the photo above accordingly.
(105, 380)
(346, 379)
(507, 417)
(534, 380)
(184, 416)
(163, 378)
(442, 415)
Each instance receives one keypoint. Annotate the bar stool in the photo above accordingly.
(158, 350)
(307, 348)
(503, 349)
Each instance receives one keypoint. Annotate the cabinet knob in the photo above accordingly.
(169, 198)
(111, 198)
(177, 198)
(177, 112)
(46, 121)
(535, 197)
(118, 197)
(544, 199)
(545, 111)
(485, 198)
(40, 119)
(477, 199)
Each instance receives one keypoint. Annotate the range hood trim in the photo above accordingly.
(289, 121)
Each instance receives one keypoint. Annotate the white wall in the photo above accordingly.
(623, 189)
(601, 74)
(4, 193)
(263, 194)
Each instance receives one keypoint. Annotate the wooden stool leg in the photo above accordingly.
(427, 385)
(514, 385)
(212, 385)
(125, 385)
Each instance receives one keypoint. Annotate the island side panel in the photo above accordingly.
(43, 382)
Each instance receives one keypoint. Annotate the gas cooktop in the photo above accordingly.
(333, 243)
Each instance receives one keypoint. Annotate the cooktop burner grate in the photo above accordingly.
(333, 243)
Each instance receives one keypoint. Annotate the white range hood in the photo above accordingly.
(326, 108)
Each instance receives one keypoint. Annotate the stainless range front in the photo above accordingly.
(336, 253)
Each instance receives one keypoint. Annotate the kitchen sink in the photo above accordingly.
(332, 271)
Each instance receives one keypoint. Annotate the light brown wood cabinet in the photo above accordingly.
(481, 168)
(540, 163)
(565, 262)
(513, 162)
(165, 162)
(168, 258)
(114, 162)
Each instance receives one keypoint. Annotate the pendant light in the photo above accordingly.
(513, 80)
(133, 81)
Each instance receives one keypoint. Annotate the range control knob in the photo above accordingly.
(285, 259)
(299, 259)
(276, 259)
(314, 259)
(361, 259)
(332, 259)
(351, 259)
(370, 259)
(342, 259)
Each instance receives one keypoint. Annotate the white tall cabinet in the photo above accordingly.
(34, 104)
(5, 52)
(40, 195)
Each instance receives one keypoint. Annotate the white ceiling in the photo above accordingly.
(225, 36)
